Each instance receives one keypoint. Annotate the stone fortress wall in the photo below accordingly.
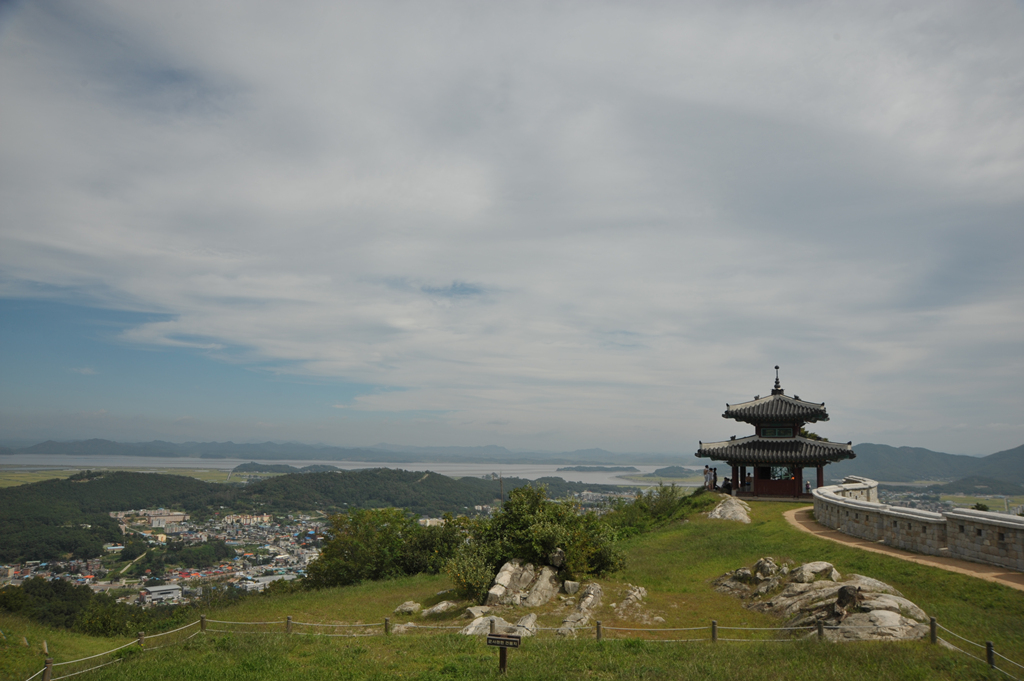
(978, 536)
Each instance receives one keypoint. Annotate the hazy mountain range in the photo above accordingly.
(880, 462)
(382, 453)
(906, 464)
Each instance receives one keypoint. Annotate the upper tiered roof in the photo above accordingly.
(768, 451)
(777, 407)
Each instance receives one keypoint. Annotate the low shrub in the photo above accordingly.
(470, 573)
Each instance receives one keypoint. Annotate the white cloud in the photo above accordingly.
(584, 223)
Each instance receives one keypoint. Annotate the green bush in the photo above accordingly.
(429, 549)
(470, 572)
(656, 507)
(530, 526)
(364, 544)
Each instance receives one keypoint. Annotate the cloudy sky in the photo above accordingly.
(548, 226)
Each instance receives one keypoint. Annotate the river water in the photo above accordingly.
(526, 471)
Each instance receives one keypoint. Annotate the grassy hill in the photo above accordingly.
(675, 564)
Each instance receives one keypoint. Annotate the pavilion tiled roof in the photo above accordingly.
(777, 407)
(776, 451)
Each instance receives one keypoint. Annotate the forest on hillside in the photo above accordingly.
(53, 518)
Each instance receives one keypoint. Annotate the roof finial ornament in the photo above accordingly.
(778, 387)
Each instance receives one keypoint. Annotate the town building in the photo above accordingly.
(777, 453)
(159, 594)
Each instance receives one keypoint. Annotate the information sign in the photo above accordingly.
(503, 640)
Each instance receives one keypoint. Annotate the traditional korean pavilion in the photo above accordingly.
(776, 452)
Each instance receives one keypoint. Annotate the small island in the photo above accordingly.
(673, 472)
(601, 469)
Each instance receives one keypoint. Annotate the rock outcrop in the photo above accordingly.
(482, 625)
(855, 608)
(443, 606)
(519, 584)
(634, 595)
(731, 508)
(502, 580)
(590, 598)
(809, 572)
(524, 626)
(408, 608)
(543, 589)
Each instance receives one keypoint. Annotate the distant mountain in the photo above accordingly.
(971, 486)
(879, 462)
(906, 464)
(1006, 465)
(673, 472)
(487, 450)
(382, 453)
(96, 447)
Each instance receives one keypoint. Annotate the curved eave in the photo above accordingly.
(776, 451)
(776, 408)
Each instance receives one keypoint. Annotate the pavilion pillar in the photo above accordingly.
(735, 479)
(753, 483)
(821, 475)
(798, 478)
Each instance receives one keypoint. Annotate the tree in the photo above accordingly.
(530, 526)
(364, 544)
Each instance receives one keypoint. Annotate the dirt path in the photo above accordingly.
(801, 519)
(133, 562)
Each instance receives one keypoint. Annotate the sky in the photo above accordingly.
(546, 226)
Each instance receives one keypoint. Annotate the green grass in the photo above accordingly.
(19, 662)
(226, 658)
(675, 564)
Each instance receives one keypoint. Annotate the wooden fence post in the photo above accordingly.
(990, 654)
(714, 631)
(599, 630)
(288, 624)
(821, 630)
(202, 623)
(933, 631)
(48, 669)
(142, 638)
(387, 626)
(493, 626)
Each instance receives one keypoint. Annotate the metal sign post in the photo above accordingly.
(503, 643)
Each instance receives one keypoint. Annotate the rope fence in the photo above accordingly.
(1016, 664)
(181, 635)
(990, 651)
